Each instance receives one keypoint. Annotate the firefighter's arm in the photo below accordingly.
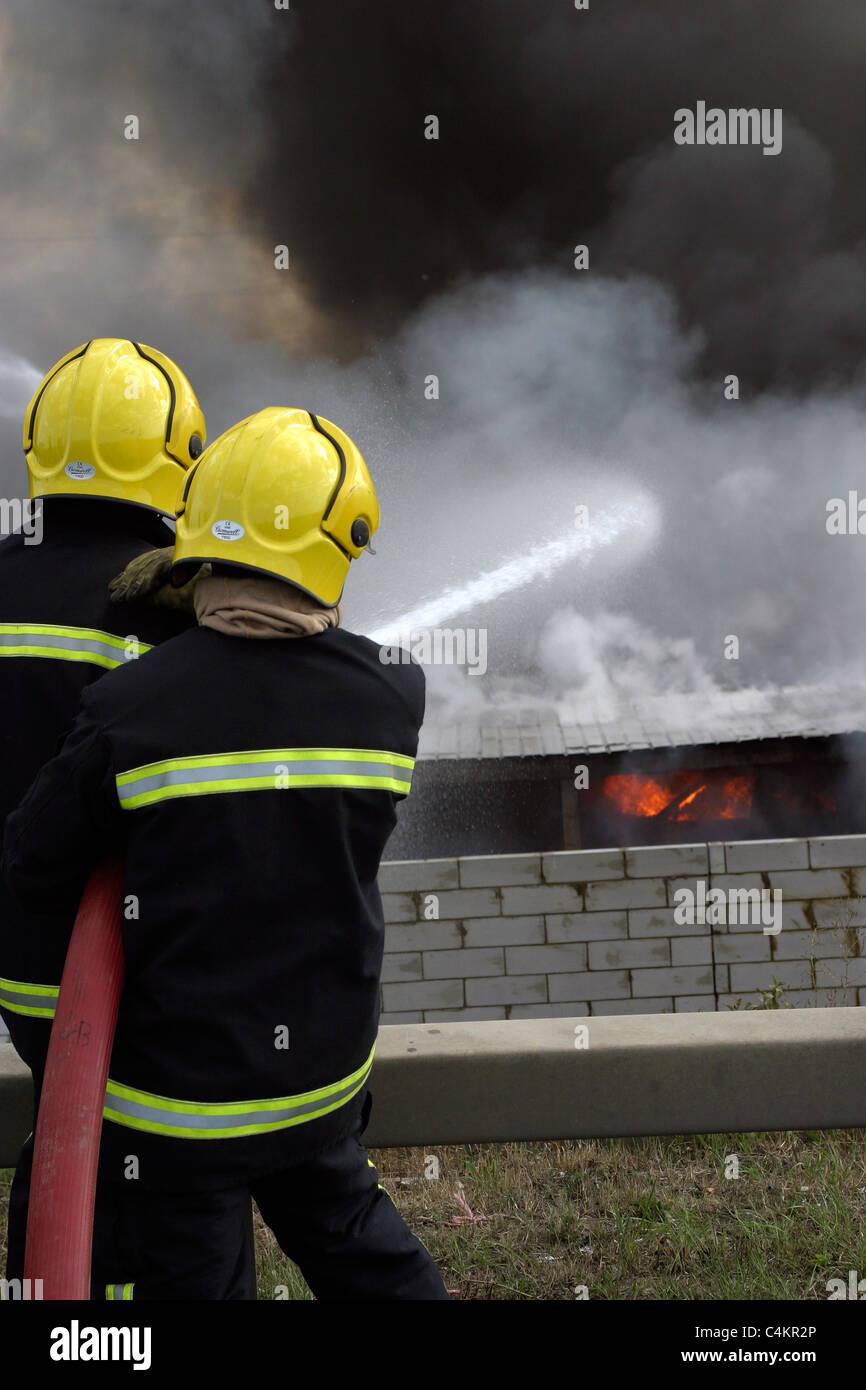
(69, 820)
(147, 579)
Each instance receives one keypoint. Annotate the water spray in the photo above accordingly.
(538, 563)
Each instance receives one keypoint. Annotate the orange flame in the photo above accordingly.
(722, 796)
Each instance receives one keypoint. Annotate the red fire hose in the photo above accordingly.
(69, 1125)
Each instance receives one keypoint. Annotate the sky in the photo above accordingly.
(409, 257)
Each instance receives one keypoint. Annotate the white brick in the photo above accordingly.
(503, 931)
(625, 955)
(717, 856)
(746, 945)
(386, 1019)
(810, 883)
(508, 989)
(803, 945)
(426, 994)
(660, 922)
(586, 926)
(795, 915)
(595, 984)
(471, 902)
(625, 893)
(399, 907)
(449, 965)
(691, 950)
(690, 884)
(723, 978)
(488, 1015)
(554, 897)
(729, 1001)
(837, 851)
(741, 856)
(793, 974)
(545, 960)
(840, 912)
(693, 1004)
(417, 875)
(851, 971)
(582, 865)
(666, 860)
(548, 1011)
(485, 871)
(424, 936)
(601, 1007)
(683, 979)
(821, 998)
(400, 965)
(728, 881)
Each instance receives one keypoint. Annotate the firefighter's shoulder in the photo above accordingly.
(395, 663)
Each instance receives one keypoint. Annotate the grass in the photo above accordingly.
(625, 1218)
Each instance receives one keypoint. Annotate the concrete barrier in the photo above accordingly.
(16, 1105)
(458, 1083)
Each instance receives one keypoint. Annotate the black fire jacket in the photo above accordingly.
(252, 786)
(58, 634)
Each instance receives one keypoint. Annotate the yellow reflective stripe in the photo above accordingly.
(232, 1119)
(264, 770)
(35, 1001)
(115, 1293)
(61, 643)
(247, 784)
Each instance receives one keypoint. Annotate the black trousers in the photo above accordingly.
(329, 1215)
(121, 1223)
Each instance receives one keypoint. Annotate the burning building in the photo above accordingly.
(719, 765)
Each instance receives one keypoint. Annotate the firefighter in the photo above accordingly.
(108, 438)
(249, 770)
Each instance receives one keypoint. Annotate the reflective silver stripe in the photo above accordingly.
(66, 643)
(116, 1293)
(302, 767)
(22, 998)
(263, 770)
(264, 1120)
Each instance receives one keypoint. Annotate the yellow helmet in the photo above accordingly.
(113, 419)
(283, 492)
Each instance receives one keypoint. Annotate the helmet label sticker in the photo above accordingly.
(227, 530)
(76, 468)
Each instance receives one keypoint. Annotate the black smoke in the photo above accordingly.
(409, 257)
(556, 127)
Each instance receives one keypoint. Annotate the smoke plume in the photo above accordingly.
(453, 258)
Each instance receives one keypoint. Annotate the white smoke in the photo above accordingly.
(612, 656)
(540, 563)
(555, 388)
(18, 381)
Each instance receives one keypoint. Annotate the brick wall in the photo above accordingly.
(593, 932)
